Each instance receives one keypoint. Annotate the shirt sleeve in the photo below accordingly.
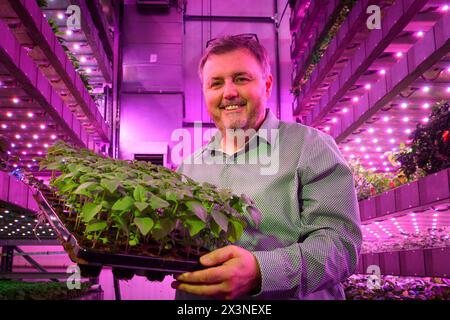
(330, 236)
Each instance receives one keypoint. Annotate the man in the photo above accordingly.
(309, 238)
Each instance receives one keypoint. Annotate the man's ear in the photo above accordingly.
(269, 82)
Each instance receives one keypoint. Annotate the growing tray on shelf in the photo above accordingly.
(91, 261)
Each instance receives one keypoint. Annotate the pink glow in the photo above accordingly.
(386, 119)
(426, 89)
(76, 46)
(355, 99)
(405, 119)
(371, 130)
(345, 110)
(426, 105)
(30, 114)
(426, 119)
(378, 149)
(9, 114)
(60, 16)
(40, 153)
(407, 131)
(419, 34)
(375, 140)
(35, 136)
(45, 145)
(404, 105)
(4, 126)
(346, 149)
(83, 59)
(358, 140)
(334, 120)
(445, 8)
(327, 128)
(53, 136)
(15, 100)
(389, 130)
(367, 86)
(69, 32)
(42, 126)
(382, 71)
(29, 145)
(399, 54)
(17, 136)
(23, 126)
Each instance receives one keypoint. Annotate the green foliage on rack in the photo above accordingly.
(42, 3)
(20, 290)
(331, 29)
(134, 202)
(76, 64)
(430, 147)
(369, 183)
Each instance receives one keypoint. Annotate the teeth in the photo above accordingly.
(232, 107)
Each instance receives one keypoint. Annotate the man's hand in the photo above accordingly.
(233, 272)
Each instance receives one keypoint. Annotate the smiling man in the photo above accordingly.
(309, 237)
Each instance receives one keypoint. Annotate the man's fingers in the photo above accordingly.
(218, 256)
(211, 290)
(210, 275)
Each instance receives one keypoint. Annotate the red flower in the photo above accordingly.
(445, 136)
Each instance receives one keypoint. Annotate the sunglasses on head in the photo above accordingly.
(246, 36)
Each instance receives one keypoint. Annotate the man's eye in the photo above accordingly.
(242, 79)
(215, 84)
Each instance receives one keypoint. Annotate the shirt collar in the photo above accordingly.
(267, 132)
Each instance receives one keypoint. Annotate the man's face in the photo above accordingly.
(235, 90)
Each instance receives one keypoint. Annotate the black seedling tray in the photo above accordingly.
(134, 264)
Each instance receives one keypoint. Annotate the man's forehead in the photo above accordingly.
(227, 64)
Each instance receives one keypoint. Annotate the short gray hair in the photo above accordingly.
(231, 43)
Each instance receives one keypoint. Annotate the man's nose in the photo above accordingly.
(230, 90)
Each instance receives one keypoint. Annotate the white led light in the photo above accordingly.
(426, 105)
(378, 149)
(9, 114)
(30, 114)
(371, 130)
(367, 86)
(405, 119)
(15, 100)
(42, 126)
(399, 54)
(375, 140)
(358, 140)
(386, 119)
(346, 149)
(362, 149)
(60, 16)
(404, 105)
(4, 126)
(426, 89)
(69, 32)
(35, 136)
